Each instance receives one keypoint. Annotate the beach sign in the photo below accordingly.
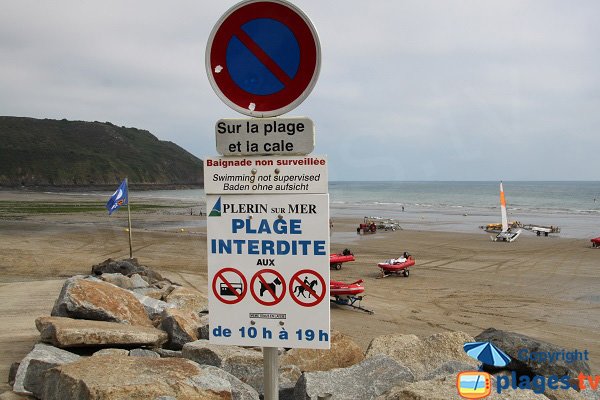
(263, 57)
(265, 175)
(265, 136)
(268, 228)
(268, 268)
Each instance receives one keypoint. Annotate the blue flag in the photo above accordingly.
(119, 198)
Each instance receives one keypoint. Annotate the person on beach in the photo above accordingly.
(400, 259)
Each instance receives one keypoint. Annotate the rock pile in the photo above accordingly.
(125, 332)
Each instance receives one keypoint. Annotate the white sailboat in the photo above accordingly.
(507, 235)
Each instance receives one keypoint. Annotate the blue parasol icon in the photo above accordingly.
(487, 353)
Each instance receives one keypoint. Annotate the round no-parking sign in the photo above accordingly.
(263, 57)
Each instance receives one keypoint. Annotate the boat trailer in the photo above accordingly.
(349, 301)
(542, 230)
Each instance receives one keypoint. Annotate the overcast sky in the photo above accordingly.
(408, 90)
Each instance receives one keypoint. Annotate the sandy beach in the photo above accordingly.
(543, 287)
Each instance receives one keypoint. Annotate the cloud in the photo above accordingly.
(408, 90)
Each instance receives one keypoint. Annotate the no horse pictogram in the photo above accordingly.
(263, 57)
(307, 288)
(229, 286)
(267, 287)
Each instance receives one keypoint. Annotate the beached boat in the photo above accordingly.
(595, 242)
(395, 267)
(347, 294)
(497, 228)
(336, 260)
(337, 288)
(507, 234)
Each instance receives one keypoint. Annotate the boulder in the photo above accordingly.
(38, 360)
(119, 280)
(245, 364)
(153, 307)
(169, 353)
(182, 327)
(187, 300)
(66, 332)
(143, 353)
(126, 267)
(444, 388)
(365, 380)
(138, 282)
(101, 301)
(153, 292)
(14, 396)
(12, 373)
(202, 352)
(423, 355)
(590, 394)
(570, 394)
(448, 368)
(111, 352)
(517, 346)
(117, 377)
(239, 390)
(204, 329)
(344, 353)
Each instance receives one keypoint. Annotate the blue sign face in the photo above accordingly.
(248, 66)
(263, 57)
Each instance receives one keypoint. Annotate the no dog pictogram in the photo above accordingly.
(307, 288)
(270, 286)
(229, 286)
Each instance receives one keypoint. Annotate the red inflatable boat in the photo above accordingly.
(337, 288)
(336, 260)
(390, 267)
(595, 242)
(346, 294)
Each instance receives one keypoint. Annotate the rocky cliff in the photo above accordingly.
(46, 153)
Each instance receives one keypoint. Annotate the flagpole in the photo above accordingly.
(129, 219)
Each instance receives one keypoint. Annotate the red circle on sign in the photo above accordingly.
(268, 287)
(295, 89)
(229, 289)
(307, 288)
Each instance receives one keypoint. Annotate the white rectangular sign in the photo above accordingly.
(268, 270)
(265, 175)
(264, 136)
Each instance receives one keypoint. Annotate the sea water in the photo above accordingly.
(454, 206)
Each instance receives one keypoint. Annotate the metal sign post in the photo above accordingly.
(271, 373)
(267, 199)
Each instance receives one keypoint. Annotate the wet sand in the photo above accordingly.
(543, 287)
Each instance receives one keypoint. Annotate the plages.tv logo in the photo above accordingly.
(478, 384)
(474, 384)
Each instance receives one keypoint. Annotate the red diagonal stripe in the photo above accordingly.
(306, 287)
(238, 295)
(266, 285)
(263, 57)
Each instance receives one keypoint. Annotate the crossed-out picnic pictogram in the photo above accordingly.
(271, 290)
(307, 288)
(226, 289)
